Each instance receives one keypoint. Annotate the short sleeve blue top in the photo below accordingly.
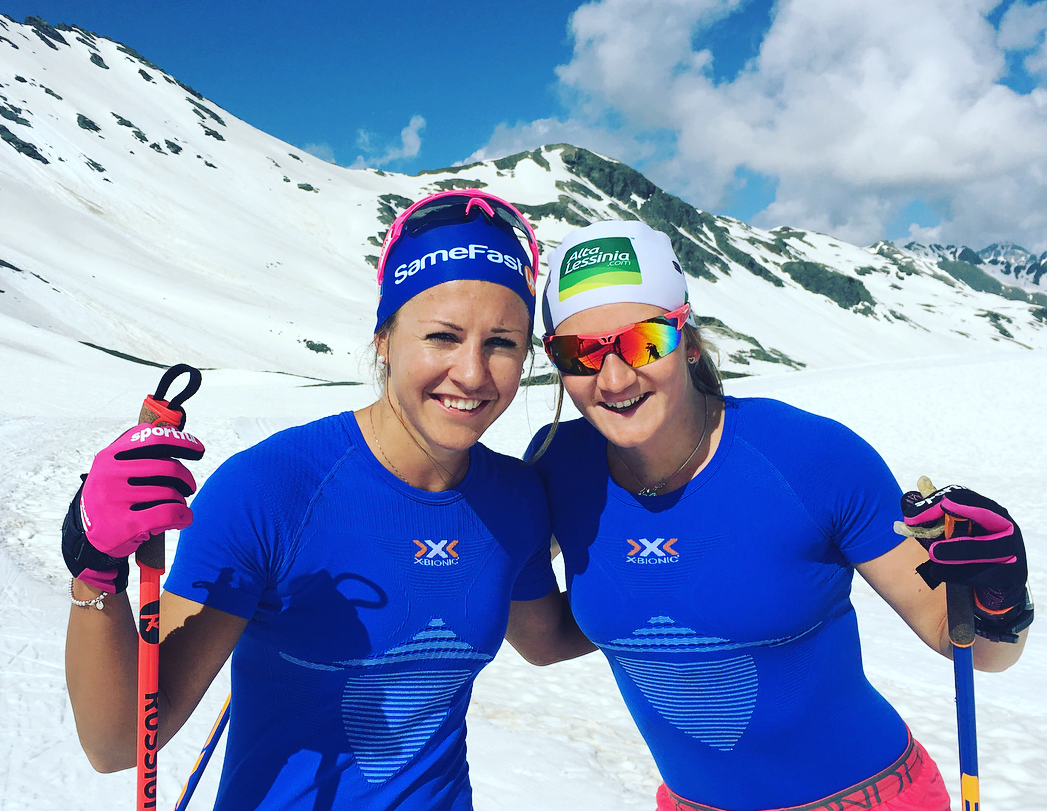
(372, 606)
(724, 607)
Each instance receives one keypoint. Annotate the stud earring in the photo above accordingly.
(692, 360)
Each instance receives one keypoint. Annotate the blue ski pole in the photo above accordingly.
(960, 600)
(204, 756)
(960, 606)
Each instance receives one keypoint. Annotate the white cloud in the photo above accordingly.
(633, 51)
(1022, 26)
(926, 236)
(1036, 62)
(509, 140)
(322, 151)
(856, 109)
(410, 145)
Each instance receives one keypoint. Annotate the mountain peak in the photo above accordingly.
(188, 235)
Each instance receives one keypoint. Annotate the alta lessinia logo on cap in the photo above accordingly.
(599, 263)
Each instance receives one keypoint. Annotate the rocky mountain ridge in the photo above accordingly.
(144, 220)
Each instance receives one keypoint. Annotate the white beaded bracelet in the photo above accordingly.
(96, 602)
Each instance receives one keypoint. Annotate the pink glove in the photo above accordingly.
(986, 552)
(136, 488)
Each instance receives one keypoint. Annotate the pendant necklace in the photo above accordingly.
(653, 489)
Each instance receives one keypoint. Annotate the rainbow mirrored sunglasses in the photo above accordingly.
(456, 206)
(636, 344)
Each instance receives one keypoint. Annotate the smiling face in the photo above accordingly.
(645, 407)
(455, 356)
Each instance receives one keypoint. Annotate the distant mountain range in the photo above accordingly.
(141, 219)
(1006, 262)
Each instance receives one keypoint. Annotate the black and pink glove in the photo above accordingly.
(136, 488)
(985, 552)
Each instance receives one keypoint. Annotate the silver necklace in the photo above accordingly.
(450, 479)
(374, 433)
(653, 489)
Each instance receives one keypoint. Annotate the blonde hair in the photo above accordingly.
(705, 374)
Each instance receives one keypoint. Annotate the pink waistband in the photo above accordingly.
(880, 788)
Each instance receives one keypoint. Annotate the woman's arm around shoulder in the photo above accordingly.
(543, 631)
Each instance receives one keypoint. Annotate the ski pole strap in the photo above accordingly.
(1006, 630)
(156, 410)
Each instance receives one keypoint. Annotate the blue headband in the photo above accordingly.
(475, 249)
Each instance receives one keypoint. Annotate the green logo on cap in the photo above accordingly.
(599, 263)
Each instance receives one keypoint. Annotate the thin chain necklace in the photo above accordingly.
(654, 488)
(450, 479)
(385, 456)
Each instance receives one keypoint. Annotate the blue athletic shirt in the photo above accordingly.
(372, 606)
(724, 608)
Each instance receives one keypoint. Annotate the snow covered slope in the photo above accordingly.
(556, 738)
(142, 219)
(156, 239)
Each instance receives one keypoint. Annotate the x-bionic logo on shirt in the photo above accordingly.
(436, 553)
(660, 550)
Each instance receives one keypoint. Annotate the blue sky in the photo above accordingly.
(320, 73)
(865, 119)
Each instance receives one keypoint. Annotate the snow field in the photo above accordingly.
(557, 737)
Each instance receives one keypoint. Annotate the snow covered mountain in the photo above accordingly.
(141, 219)
(1006, 264)
(1014, 265)
(141, 223)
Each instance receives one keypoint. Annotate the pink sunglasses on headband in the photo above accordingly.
(455, 206)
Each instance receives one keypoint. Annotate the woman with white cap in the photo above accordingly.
(710, 542)
(359, 569)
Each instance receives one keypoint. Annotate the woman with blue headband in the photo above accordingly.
(359, 569)
(709, 544)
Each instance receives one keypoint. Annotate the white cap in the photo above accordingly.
(612, 262)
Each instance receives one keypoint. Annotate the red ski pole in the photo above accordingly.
(150, 557)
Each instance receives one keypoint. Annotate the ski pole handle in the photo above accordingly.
(159, 412)
(959, 601)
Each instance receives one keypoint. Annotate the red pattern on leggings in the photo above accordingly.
(876, 792)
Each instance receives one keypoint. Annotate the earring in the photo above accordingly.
(692, 360)
(381, 360)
